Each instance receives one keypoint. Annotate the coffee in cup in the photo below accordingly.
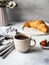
(22, 42)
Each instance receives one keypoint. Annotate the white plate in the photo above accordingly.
(33, 31)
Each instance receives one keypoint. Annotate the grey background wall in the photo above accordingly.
(29, 9)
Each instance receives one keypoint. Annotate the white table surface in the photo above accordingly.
(37, 56)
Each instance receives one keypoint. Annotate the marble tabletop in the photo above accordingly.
(36, 56)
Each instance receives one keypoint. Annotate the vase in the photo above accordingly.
(3, 17)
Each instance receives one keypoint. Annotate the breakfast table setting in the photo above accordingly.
(11, 52)
(25, 42)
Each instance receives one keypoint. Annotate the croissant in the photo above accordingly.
(37, 24)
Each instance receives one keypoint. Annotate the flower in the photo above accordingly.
(10, 4)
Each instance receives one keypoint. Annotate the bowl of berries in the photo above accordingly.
(44, 44)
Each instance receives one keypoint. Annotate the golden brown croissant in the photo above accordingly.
(37, 24)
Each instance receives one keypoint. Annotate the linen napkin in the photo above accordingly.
(8, 31)
(6, 46)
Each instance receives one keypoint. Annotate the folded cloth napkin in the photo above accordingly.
(6, 46)
(8, 31)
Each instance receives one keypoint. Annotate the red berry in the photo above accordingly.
(43, 43)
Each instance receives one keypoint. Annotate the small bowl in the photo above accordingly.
(44, 47)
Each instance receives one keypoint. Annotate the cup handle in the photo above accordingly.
(34, 43)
